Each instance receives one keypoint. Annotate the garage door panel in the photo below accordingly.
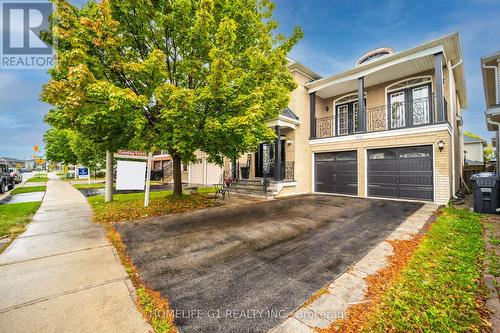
(416, 193)
(336, 173)
(382, 191)
(405, 173)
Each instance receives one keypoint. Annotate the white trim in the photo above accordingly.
(366, 172)
(301, 72)
(383, 134)
(313, 179)
(388, 88)
(356, 75)
(284, 122)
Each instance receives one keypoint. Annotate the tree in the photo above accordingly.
(57, 146)
(87, 152)
(175, 75)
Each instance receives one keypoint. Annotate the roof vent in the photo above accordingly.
(374, 54)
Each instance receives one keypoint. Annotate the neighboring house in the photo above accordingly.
(490, 66)
(473, 150)
(389, 127)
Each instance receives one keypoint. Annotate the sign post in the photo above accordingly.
(148, 180)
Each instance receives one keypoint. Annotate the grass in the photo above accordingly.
(85, 186)
(440, 290)
(14, 217)
(131, 206)
(38, 179)
(19, 190)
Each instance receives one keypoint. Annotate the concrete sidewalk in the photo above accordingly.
(63, 275)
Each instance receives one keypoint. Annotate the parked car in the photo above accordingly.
(16, 174)
(6, 181)
(156, 175)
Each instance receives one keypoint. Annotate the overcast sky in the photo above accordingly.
(336, 33)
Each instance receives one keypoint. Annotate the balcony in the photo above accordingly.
(398, 115)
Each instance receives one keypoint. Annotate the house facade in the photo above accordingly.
(474, 150)
(490, 66)
(389, 127)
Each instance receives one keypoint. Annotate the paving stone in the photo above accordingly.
(348, 287)
(311, 318)
(329, 307)
(292, 325)
(376, 259)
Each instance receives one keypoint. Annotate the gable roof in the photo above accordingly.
(289, 114)
(470, 139)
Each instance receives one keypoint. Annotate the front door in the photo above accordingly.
(264, 159)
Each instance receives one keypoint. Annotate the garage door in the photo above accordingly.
(404, 173)
(196, 172)
(336, 172)
(214, 174)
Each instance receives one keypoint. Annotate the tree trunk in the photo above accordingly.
(109, 177)
(177, 175)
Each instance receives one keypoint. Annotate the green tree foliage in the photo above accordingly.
(57, 146)
(175, 75)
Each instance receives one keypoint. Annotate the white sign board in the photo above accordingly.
(130, 175)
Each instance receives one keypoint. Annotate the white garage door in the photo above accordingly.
(204, 173)
(214, 174)
(196, 172)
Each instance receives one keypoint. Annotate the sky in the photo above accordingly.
(336, 33)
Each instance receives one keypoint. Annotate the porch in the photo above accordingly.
(404, 93)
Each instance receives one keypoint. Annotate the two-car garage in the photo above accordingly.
(401, 173)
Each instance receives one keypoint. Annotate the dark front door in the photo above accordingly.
(336, 172)
(405, 173)
(264, 159)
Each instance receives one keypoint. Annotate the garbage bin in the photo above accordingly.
(486, 186)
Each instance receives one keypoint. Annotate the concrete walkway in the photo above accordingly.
(63, 275)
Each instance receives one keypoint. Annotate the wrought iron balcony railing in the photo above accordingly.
(397, 115)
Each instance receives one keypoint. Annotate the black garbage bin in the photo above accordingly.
(486, 186)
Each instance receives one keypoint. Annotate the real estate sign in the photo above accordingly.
(83, 173)
(130, 175)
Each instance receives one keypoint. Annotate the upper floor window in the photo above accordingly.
(410, 102)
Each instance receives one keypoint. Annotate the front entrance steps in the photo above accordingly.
(252, 187)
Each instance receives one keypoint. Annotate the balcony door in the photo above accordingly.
(410, 107)
(347, 118)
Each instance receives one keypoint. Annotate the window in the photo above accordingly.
(397, 107)
(343, 119)
(420, 105)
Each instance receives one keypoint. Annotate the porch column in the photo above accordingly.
(312, 114)
(361, 104)
(438, 71)
(277, 154)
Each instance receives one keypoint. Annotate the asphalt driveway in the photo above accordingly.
(244, 269)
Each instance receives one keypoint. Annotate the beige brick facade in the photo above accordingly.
(442, 161)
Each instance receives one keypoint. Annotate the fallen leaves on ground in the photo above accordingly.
(134, 209)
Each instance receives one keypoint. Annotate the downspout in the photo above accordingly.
(497, 100)
(451, 78)
(497, 124)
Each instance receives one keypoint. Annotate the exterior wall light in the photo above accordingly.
(327, 108)
(441, 145)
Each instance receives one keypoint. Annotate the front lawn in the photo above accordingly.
(38, 179)
(14, 217)
(29, 189)
(131, 206)
(440, 289)
(87, 186)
